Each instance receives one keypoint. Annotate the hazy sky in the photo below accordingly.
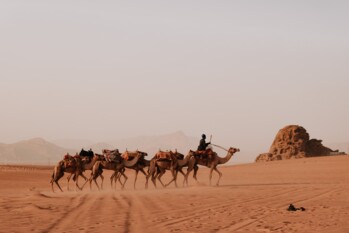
(240, 70)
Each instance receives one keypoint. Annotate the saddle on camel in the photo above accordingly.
(112, 155)
(130, 155)
(72, 161)
(205, 154)
(168, 155)
(86, 155)
(163, 155)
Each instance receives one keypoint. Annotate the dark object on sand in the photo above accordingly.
(293, 208)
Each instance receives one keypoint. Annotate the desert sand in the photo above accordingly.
(251, 198)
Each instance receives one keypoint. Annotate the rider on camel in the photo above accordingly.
(202, 147)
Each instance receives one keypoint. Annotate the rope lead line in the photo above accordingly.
(219, 147)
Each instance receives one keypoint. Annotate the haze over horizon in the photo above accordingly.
(110, 70)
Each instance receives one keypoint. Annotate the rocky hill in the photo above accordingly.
(33, 151)
(293, 141)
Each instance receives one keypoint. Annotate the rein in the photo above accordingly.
(219, 147)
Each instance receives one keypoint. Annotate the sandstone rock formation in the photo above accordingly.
(293, 141)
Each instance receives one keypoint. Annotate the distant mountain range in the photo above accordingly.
(33, 151)
(39, 151)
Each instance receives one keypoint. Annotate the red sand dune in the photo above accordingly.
(251, 198)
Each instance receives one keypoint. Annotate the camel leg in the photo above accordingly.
(102, 177)
(174, 178)
(76, 177)
(150, 175)
(185, 181)
(153, 179)
(146, 181)
(77, 180)
(68, 178)
(95, 180)
(134, 184)
(144, 173)
(90, 180)
(196, 168)
(111, 180)
(151, 171)
(155, 175)
(210, 177)
(159, 178)
(93, 177)
(52, 185)
(175, 173)
(220, 175)
(118, 178)
(142, 170)
(181, 171)
(56, 181)
(124, 175)
(86, 180)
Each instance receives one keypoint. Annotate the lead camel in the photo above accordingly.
(212, 163)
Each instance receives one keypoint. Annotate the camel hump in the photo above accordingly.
(163, 155)
(67, 156)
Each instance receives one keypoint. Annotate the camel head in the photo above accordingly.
(99, 156)
(143, 154)
(233, 150)
(191, 153)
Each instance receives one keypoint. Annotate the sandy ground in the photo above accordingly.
(251, 198)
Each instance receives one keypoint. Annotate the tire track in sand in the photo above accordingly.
(138, 216)
(77, 210)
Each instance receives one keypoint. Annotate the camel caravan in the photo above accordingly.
(154, 168)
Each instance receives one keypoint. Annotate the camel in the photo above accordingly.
(212, 163)
(75, 168)
(139, 166)
(163, 161)
(87, 164)
(117, 166)
(70, 165)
